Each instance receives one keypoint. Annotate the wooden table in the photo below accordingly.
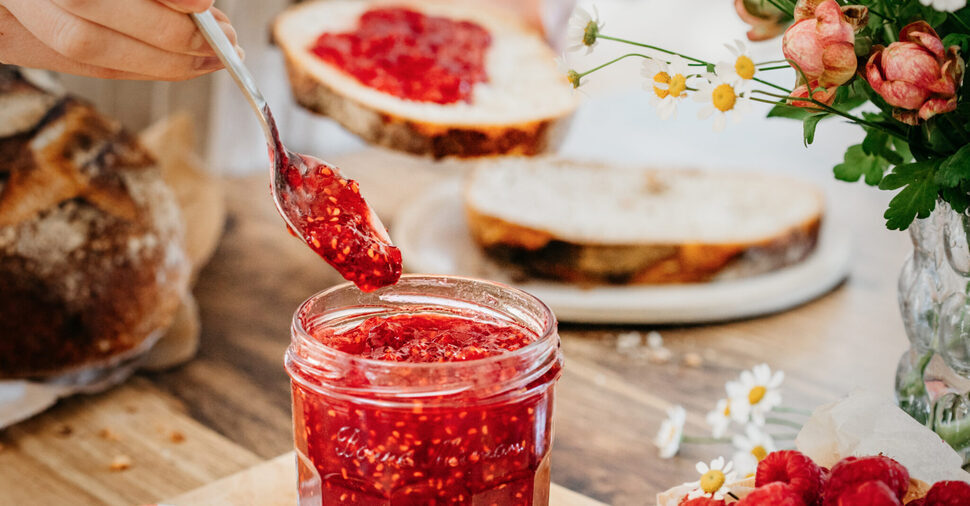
(229, 409)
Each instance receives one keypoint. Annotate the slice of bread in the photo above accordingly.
(520, 110)
(592, 224)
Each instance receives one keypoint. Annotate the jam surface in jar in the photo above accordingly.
(480, 445)
(341, 227)
(410, 55)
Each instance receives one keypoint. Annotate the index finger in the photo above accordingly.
(188, 6)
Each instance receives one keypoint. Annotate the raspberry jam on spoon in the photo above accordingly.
(320, 206)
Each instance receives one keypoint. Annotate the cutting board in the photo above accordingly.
(273, 483)
(135, 444)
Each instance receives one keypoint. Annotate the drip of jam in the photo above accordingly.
(427, 338)
(481, 448)
(339, 225)
(407, 54)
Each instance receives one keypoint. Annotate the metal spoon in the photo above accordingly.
(294, 203)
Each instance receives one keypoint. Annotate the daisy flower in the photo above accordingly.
(756, 393)
(667, 82)
(583, 30)
(945, 5)
(720, 418)
(739, 70)
(563, 65)
(722, 99)
(671, 432)
(714, 479)
(752, 448)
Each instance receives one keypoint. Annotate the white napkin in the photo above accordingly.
(864, 423)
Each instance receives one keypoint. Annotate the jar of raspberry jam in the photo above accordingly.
(436, 390)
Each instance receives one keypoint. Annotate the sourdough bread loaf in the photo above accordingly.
(91, 259)
(586, 223)
(522, 108)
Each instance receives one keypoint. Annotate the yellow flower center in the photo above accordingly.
(727, 409)
(678, 84)
(757, 393)
(723, 98)
(712, 481)
(590, 33)
(662, 78)
(759, 452)
(744, 67)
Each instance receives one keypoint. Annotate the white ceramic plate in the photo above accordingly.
(433, 236)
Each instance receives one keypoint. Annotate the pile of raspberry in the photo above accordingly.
(789, 478)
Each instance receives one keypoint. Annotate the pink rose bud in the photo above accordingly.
(822, 40)
(823, 95)
(766, 20)
(916, 74)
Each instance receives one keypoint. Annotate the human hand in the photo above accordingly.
(111, 39)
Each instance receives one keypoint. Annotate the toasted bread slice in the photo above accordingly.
(521, 109)
(591, 224)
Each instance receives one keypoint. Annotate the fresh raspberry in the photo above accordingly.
(795, 469)
(773, 494)
(870, 493)
(701, 501)
(852, 471)
(948, 493)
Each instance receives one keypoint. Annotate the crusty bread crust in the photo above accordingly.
(83, 281)
(337, 95)
(420, 137)
(541, 254)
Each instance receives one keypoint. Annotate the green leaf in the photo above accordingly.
(789, 111)
(955, 169)
(851, 96)
(877, 143)
(857, 164)
(958, 39)
(902, 148)
(917, 197)
(808, 127)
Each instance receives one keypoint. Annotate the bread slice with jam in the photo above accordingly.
(584, 223)
(426, 77)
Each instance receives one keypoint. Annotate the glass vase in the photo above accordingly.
(933, 377)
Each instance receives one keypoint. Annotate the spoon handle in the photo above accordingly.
(234, 64)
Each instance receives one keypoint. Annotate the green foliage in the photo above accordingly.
(789, 111)
(955, 169)
(808, 127)
(917, 199)
(878, 143)
(858, 164)
(962, 40)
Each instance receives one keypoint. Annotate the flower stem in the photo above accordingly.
(705, 440)
(960, 21)
(648, 46)
(779, 67)
(611, 62)
(797, 411)
(773, 85)
(783, 8)
(783, 422)
(877, 13)
(829, 109)
(770, 62)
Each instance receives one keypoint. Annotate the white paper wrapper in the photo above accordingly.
(869, 424)
(20, 400)
(859, 425)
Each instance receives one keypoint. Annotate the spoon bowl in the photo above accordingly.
(320, 207)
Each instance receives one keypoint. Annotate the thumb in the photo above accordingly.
(187, 6)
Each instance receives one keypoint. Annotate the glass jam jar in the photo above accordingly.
(429, 422)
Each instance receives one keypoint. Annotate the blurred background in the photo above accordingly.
(616, 122)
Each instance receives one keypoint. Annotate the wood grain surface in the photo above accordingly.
(271, 484)
(609, 404)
